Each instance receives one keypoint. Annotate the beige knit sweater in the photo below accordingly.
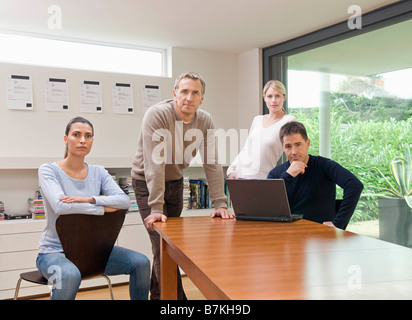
(166, 146)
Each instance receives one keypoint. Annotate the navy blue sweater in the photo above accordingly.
(313, 193)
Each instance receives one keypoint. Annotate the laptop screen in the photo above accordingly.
(259, 197)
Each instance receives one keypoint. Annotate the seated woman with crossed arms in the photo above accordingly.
(73, 186)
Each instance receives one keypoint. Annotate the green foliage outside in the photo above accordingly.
(365, 133)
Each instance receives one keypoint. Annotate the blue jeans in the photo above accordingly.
(65, 278)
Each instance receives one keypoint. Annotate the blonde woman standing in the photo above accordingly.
(263, 149)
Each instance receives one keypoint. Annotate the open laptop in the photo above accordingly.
(260, 200)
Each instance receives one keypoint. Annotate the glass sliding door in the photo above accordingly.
(355, 98)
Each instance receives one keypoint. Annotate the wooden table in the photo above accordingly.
(245, 260)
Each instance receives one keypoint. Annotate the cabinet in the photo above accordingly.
(18, 251)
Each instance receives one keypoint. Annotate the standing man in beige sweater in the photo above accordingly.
(172, 132)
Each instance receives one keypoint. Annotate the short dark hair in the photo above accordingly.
(293, 127)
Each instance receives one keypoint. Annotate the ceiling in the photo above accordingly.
(230, 26)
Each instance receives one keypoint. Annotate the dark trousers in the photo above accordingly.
(173, 206)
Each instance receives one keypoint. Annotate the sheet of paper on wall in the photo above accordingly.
(91, 97)
(57, 95)
(122, 96)
(150, 96)
(20, 93)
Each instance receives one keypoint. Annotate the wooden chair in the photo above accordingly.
(87, 241)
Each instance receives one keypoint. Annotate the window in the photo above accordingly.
(20, 49)
(352, 91)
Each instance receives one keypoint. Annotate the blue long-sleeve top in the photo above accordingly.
(313, 193)
(55, 183)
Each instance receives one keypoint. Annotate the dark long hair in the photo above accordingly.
(69, 125)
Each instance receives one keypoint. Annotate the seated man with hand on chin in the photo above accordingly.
(311, 180)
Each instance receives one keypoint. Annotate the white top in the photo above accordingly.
(54, 183)
(261, 151)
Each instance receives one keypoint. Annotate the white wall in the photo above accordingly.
(220, 72)
(249, 87)
(29, 138)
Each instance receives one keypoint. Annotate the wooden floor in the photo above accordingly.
(121, 292)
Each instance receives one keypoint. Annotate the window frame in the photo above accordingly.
(163, 52)
(275, 57)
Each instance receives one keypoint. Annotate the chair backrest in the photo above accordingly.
(88, 240)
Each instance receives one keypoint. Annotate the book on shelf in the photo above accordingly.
(186, 192)
(228, 201)
(196, 194)
(36, 207)
(1, 210)
(199, 194)
(16, 216)
(125, 183)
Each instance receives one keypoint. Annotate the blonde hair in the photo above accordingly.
(275, 84)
